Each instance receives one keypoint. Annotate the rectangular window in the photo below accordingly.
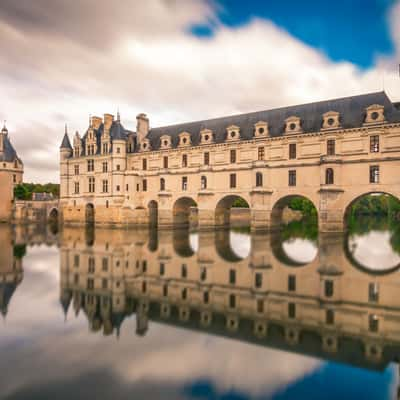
(105, 167)
(232, 276)
(105, 148)
(292, 178)
(260, 305)
(162, 269)
(165, 162)
(118, 167)
(373, 292)
(233, 156)
(76, 187)
(105, 186)
(144, 164)
(184, 271)
(117, 188)
(328, 288)
(203, 274)
(330, 317)
(14, 178)
(373, 323)
(232, 301)
(330, 147)
(104, 283)
(90, 284)
(144, 266)
(374, 174)
(127, 187)
(165, 290)
(292, 151)
(374, 144)
(144, 185)
(76, 260)
(91, 184)
(232, 180)
(184, 160)
(206, 158)
(76, 169)
(258, 280)
(261, 153)
(206, 297)
(184, 294)
(291, 283)
(292, 310)
(90, 165)
(184, 183)
(104, 264)
(91, 265)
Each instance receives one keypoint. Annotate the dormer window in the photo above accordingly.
(330, 120)
(261, 129)
(184, 139)
(233, 132)
(375, 114)
(145, 145)
(206, 136)
(293, 125)
(165, 141)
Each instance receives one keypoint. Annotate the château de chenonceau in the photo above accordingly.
(330, 152)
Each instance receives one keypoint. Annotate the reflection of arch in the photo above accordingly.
(181, 242)
(361, 267)
(224, 247)
(53, 215)
(89, 213)
(279, 206)
(153, 213)
(153, 240)
(223, 210)
(280, 254)
(182, 211)
(347, 209)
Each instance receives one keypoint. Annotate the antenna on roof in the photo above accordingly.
(66, 130)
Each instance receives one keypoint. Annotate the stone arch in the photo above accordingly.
(281, 204)
(348, 206)
(89, 214)
(153, 213)
(184, 212)
(223, 214)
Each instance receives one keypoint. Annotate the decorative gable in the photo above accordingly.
(233, 132)
(261, 129)
(375, 114)
(165, 141)
(330, 120)
(293, 125)
(184, 139)
(145, 145)
(206, 136)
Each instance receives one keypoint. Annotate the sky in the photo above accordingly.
(181, 60)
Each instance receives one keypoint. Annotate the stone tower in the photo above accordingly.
(11, 173)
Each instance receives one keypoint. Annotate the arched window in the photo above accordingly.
(329, 179)
(204, 182)
(259, 179)
(162, 184)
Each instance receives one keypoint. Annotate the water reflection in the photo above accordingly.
(177, 299)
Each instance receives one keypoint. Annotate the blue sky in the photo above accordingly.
(349, 30)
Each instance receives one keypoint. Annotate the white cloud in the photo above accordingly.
(143, 59)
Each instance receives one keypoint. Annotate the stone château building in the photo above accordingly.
(331, 152)
(11, 173)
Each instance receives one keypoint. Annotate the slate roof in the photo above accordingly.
(9, 154)
(351, 109)
(66, 144)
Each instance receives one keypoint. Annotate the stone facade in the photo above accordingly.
(330, 152)
(11, 173)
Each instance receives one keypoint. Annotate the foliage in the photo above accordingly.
(382, 204)
(24, 191)
(304, 229)
(239, 202)
(19, 250)
(304, 205)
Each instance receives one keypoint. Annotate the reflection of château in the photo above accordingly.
(327, 307)
(11, 272)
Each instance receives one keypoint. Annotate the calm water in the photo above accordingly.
(215, 315)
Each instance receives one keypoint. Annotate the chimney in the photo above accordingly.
(108, 120)
(96, 122)
(142, 126)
